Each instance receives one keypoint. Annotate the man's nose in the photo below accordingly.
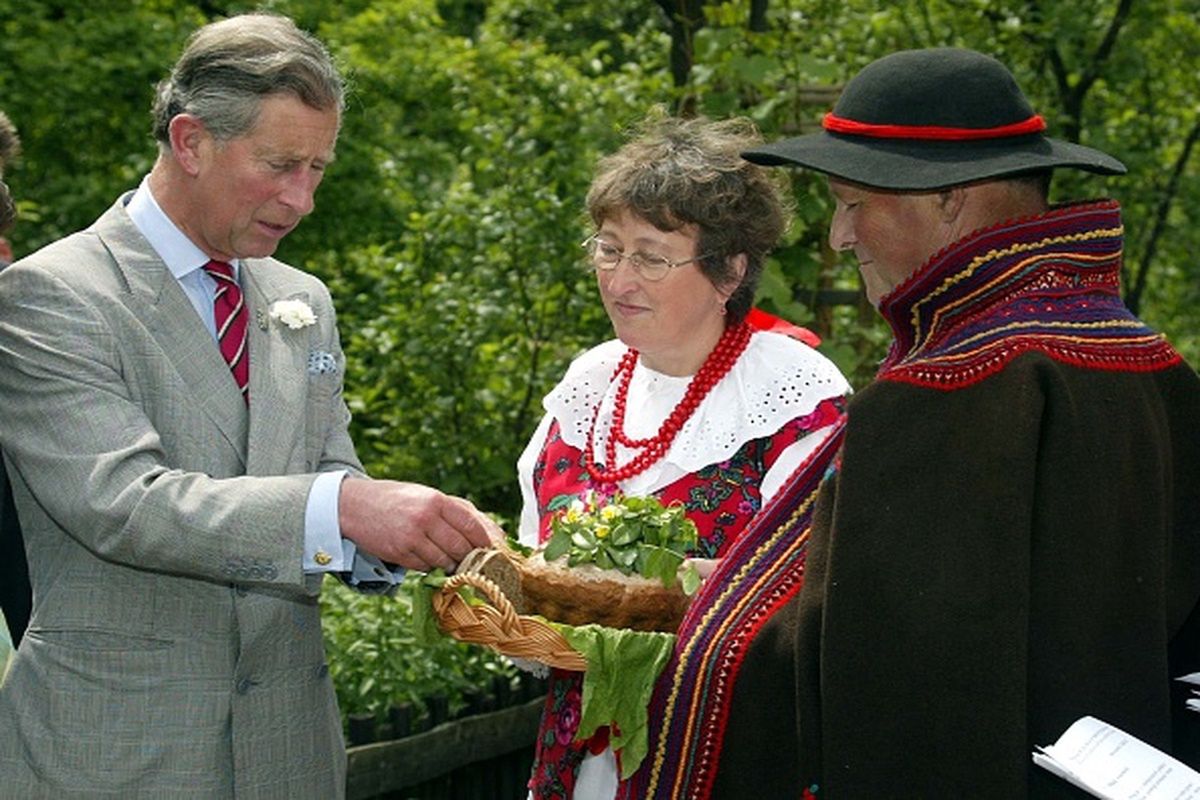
(299, 192)
(841, 232)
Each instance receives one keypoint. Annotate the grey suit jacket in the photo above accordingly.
(175, 646)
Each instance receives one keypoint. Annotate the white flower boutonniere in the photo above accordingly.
(296, 314)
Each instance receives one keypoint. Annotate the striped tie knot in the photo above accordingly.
(229, 313)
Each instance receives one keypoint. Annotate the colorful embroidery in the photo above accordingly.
(762, 571)
(557, 755)
(721, 499)
(1047, 284)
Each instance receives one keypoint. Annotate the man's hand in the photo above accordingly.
(412, 525)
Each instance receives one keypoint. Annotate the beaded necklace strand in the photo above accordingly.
(715, 367)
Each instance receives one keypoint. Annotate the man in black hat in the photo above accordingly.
(1012, 538)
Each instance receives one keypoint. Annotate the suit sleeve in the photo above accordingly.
(77, 431)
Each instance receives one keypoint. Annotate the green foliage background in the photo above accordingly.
(448, 227)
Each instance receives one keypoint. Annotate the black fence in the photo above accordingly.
(484, 753)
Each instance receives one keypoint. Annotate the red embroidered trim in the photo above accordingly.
(836, 124)
(1153, 357)
(714, 724)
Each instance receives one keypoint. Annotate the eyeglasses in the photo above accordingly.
(651, 266)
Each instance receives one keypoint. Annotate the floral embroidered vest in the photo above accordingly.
(720, 498)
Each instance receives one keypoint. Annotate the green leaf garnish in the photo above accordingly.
(559, 543)
(635, 535)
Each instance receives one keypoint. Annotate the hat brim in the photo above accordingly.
(925, 165)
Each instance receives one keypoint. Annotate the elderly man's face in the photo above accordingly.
(892, 234)
(252, 191)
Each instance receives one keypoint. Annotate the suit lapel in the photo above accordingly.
(278, 373)
(171, 320)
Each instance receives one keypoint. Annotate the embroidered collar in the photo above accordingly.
(1047, 283)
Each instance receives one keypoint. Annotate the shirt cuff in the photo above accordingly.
(323, 543)
(369, 573)
(326, 551)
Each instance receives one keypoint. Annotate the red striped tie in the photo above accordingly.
(231, 317)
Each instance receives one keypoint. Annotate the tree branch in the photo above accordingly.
(684, 18)
(1133, 299)
(1096, 66)
(1073, 97)
(758, 16)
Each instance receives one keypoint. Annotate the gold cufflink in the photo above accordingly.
(322, 558)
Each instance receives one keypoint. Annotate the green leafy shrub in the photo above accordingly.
(376, 661)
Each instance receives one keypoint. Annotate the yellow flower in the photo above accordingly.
(574, 511)
(609, 513)
(601, 531)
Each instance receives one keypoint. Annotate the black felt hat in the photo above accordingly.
(928, 119)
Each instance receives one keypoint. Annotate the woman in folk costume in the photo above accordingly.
(695, 401)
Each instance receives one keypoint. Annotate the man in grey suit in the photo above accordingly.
(181, 501)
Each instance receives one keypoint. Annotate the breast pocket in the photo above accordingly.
(322, 411)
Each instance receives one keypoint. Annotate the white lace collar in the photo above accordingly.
(774, 381)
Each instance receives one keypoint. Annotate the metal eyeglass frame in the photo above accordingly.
(637, 260)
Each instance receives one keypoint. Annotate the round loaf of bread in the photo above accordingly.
(586, 594)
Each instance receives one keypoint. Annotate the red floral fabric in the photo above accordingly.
(720, 499)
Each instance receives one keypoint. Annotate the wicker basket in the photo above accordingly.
(498, 625)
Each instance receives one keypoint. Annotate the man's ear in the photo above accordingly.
(190, 141)
(951, 202)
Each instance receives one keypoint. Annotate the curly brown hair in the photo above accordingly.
(676, 173)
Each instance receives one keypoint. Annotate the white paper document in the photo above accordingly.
(1110, 763)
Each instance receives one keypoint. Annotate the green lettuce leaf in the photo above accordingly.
(425, 627)
(622, 667)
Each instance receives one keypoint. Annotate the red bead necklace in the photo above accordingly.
(718, 363)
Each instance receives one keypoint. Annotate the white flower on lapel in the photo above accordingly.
(296, 314)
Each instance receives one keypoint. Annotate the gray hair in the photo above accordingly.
(229, 67)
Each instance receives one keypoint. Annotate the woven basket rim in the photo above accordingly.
(499, 626)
